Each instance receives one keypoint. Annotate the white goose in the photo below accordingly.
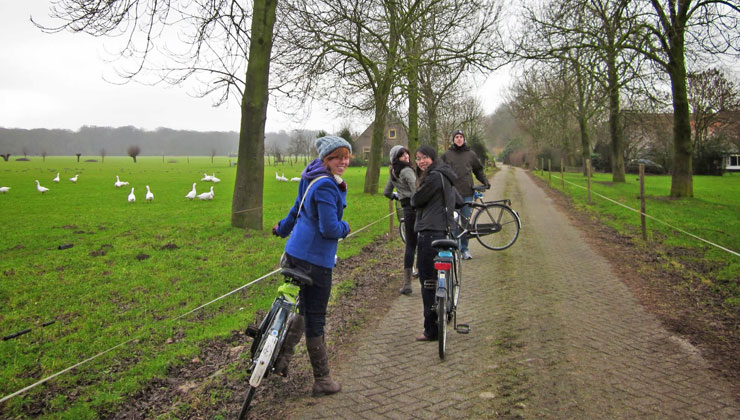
(149, 194)
(206, 195)
(296, 179)
(132, 197)
(119, 183)
(56, 179)
(206, 178)
(74, 178)
(191, 194)
(41, 189)
(214, 179)
(4, 189)
(281, 177)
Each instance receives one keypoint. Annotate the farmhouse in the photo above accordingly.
(395, 133)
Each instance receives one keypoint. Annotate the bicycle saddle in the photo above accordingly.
(445, 243)
(296, 275)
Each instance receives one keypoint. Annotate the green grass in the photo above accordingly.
(99, 294)
(712, 214)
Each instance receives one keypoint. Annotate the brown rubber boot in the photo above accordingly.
(406, 288)
(292, 337)
(323, 384)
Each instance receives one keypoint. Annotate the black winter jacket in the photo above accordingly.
(464, 162)
(429, 201)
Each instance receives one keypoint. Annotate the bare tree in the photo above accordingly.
(133, 151)
(677, 31)
(215, 49)
(80, 154)
(43, 155)
(6, 156)
(710, 93)
(102, 155)
(213, 153)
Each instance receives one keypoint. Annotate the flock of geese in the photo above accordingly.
(132, 196)
(193, 194)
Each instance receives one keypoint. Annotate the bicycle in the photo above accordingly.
(494, 223)
(269, 336)
(401, 219)
(448, 264)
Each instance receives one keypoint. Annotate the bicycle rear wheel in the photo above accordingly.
(496, 226)
(247, 402)
(454, 282)
(402, 230)
(442, 325)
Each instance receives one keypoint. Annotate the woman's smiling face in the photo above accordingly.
(423, 161)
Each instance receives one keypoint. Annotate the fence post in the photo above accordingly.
(562, 174)
(542, 166)
(549, 172)
(588, 179)
(642, 202)
(391, 209)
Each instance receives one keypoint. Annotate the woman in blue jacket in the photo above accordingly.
(311, 247)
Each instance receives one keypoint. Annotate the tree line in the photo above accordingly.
(116, 141)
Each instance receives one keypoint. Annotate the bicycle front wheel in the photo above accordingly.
(247, 402)
(442, 325)
(496, 226)
(402, 230)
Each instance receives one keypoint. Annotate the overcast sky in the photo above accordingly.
(59, 81)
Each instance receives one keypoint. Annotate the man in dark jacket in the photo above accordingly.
(464, 162)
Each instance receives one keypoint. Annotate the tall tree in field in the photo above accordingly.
(677, 30)
(225, 44)
(710, 93)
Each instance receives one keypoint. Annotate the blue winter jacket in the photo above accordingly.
(314, 235)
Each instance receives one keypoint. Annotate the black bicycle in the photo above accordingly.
(494, 223)
(449, 274)
(269, 336)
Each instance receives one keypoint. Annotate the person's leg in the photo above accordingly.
(313, 304)
(428, 280)
(409, 217)
(466, 211)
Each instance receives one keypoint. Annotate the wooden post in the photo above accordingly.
(588, 179)
(542, 166)
(549, 172)
(391, 209)
(642, 202)
(562, 174)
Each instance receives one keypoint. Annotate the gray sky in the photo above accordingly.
(58, 81)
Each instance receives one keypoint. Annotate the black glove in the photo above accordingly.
(274, 230)
(488, 186)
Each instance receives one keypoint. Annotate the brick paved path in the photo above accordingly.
(554, 335)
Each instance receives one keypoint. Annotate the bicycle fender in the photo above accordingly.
(263, 361)
(441, 284)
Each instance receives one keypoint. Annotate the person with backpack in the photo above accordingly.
(403, 179)
(315, 226)
(434, 201)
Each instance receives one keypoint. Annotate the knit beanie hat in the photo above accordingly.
(394, 151)
(460, 132)
(327, 144)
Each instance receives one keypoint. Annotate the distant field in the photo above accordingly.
(133, 268)
(712, 214)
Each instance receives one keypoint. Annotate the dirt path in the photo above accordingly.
(554, 334)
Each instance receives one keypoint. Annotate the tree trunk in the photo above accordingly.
(615, 124)
(246, 207)
(413, 78)
(373, 165)
(585, 141)
(682, 184)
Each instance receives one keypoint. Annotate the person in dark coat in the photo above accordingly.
(403, 179)
(464, 163)
(311, 247)
(434, 202)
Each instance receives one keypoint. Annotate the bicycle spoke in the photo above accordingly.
(496, 226)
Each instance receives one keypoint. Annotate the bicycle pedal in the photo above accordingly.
(462, 328)
(252, 331)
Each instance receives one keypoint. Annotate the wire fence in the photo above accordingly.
(676, 228)
(143, 335)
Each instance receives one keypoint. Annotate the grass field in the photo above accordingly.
(133, 269)
(713, 214)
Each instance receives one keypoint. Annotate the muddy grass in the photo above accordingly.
(213, 384)
(667, 282)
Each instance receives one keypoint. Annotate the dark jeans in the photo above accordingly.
(409, 219)
(466, 211)
(314, 298)
(425, 263)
